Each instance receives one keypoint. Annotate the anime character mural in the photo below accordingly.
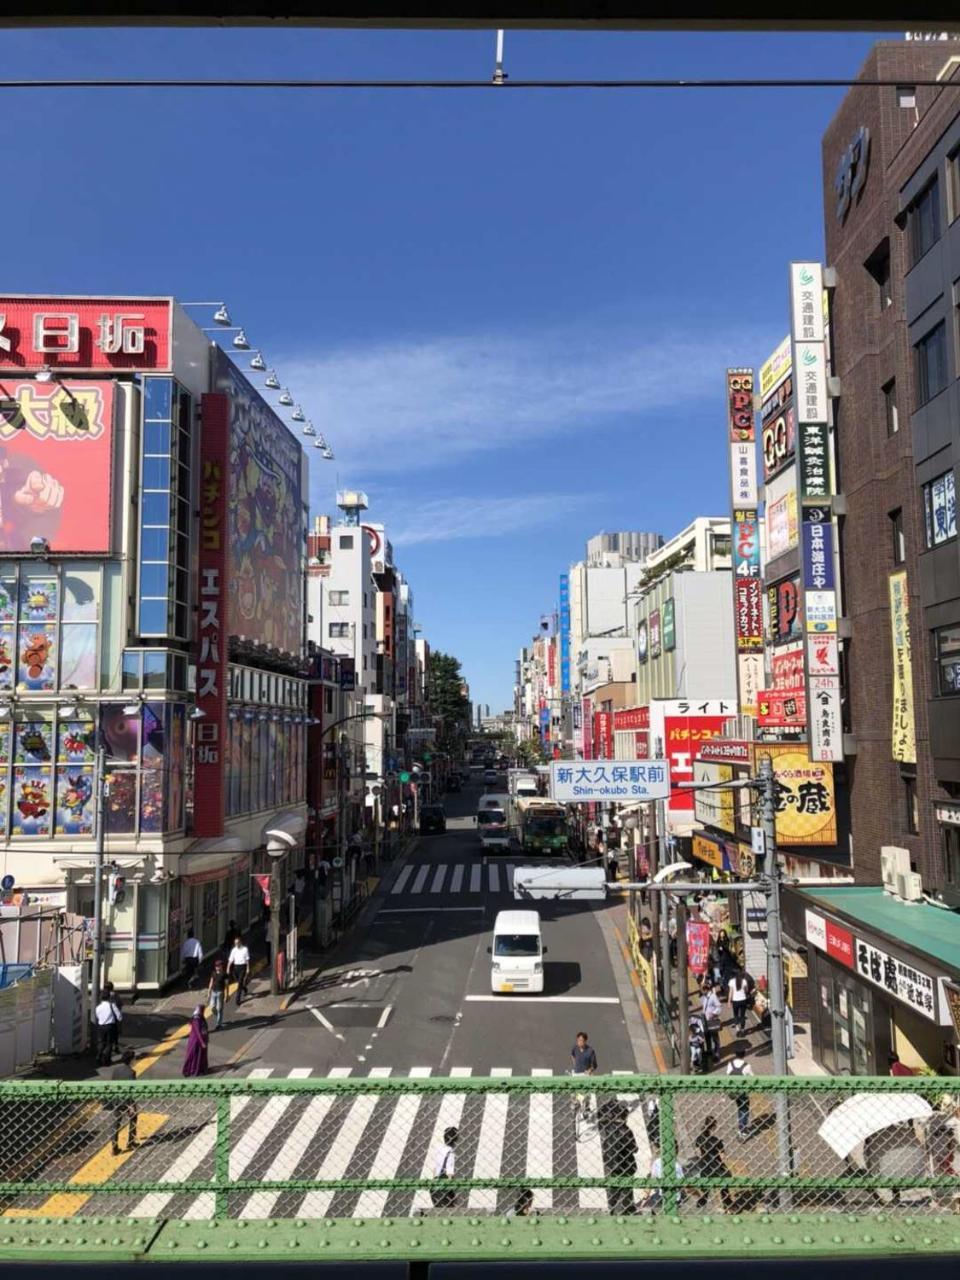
(31, 801)
(75, 807)
(267, 519)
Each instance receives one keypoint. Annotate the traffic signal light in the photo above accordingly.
(116, 887)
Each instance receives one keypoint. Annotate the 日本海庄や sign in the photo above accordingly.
(575, 782)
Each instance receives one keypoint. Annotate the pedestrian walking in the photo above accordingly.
(124, 1110)
(710, 1006)
(739, 989)
(613, 866)
(217, 992)
(740, 1067)
(444, 1168)
(107, 1018)
(618, 1149)
(710, 1154)
(655, 1197)
(115, 1026)
(299, 885)
(898, 1068)
(232, 931)
(523, 1205)
(323, 870)
(191, 953)
(195, 1060)
(238, 963)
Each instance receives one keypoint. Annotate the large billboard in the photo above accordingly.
(805, 800)
(81, 335)
(266, 519)
(681, 725)
(56, 449)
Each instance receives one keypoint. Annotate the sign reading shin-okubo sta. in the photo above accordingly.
(620, 781)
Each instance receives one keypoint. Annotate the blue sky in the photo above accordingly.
(509, 312)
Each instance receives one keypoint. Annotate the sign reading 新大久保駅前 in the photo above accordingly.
(578, 781)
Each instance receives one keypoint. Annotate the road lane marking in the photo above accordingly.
(409, 911)
(371, 1204)
(421, 879)
(494, 878)
(475, 873)
(325, 1022)
(457, 878)
(508, 877)
(438, 878)
(402, 879)
(384, 1016)
(342, 1150)
(100, 1168)
(540, 1141)
(493, 1128)
(261, 1203)
(525, 999)
(448, 1116)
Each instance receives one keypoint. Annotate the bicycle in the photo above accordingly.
(584, 1106)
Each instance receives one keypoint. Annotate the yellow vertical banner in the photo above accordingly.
(903, 735)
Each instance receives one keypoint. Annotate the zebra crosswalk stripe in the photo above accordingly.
(401, 880)
(420, 879)
(457, 879)
(494, 872)
(316, 1204)
(475, 873)
(448, 1116)
(493, 1127)
(540, 1141)
(439, 878)
(387, 1161)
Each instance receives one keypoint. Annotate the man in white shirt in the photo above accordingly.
(654, 1199)
(444, 1167)
(107, 1018)
(238, 964)
(191, 953)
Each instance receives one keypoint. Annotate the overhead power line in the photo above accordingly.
(128, 83)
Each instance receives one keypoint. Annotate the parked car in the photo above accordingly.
(433, 821)
(490, 776)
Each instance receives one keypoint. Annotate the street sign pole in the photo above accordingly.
(97, 975)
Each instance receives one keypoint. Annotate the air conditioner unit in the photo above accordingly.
(893, 862)
(910, 886)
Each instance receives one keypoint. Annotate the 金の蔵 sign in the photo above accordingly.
(805, 801)
(576, 782)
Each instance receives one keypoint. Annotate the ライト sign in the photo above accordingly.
(619, 781)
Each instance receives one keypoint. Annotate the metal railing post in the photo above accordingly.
(668, 1150)
(221, 1173)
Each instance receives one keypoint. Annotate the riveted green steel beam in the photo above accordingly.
(773, 1236)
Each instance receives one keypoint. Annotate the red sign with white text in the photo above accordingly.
(786, 667)
(632, 718)
(108, 335)
(840, 945)
(56, 447)
(781, 708)
(603, 734)
(683, 736)
(211, 643)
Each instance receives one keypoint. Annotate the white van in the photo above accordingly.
(492, 829)
(517, 953)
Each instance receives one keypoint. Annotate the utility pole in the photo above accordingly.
(96, 981)
(662, 905)
(775, 985)
(683, 989)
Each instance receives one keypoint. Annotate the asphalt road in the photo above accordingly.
(415, 990)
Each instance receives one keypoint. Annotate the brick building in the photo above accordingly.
(892, 200)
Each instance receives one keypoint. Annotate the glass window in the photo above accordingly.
(889, 390)
(158, 394)
(153, 617)
(78, 655)
(930, 355)
(940, 509)
(896, 531)
(947, 651)
(339, 597)
(346, 542)
(156, 473)
(953, 185)
(911, 805)
(923, 221)
(339, 630)
(907, 97)
(878, 265)
(951, 855)
(155, 669)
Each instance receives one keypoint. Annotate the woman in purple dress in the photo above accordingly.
(195, 1063)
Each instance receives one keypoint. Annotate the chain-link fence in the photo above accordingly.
(378, 1147)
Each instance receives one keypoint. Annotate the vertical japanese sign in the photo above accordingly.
(211, 650)
(815, 482)
(669, 625)
(904, 739)
(654, 621)
(564, 633)
(743, 438)
(747, 595)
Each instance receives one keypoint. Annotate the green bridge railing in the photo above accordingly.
(613, 1166)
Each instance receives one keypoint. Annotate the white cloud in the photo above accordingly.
(412, 405)
(443, 519)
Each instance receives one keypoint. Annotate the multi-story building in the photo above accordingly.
(153, 624)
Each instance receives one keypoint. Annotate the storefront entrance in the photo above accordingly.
(852, 1029)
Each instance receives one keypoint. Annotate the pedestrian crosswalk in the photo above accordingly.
(431, 878)
(377, 1136)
